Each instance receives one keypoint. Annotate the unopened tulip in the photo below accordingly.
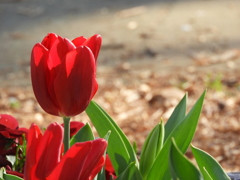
(63, 73)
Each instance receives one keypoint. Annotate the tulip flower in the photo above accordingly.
(63, 73)
(44, 160)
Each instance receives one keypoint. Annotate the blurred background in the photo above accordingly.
(153, 52)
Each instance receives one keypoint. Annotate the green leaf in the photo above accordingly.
(177, 116)
(181, 168)
(101, 175)
(152, 146)
(131, 173)
(209, 167)
(119, 148)
(183, 134)
(11, 177)
(2, 170)
(106, 137)
(134, 145)
(206, 175)
(84, 134)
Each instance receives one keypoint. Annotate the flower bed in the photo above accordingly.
(64, 82)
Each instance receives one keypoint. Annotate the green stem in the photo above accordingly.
(66, 138)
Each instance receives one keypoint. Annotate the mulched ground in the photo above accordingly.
(138, 99)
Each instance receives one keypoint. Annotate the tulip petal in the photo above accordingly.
(94, 43)
(72, 162)
(108, 165)
(94, 159)
(39, 76)
(74, 85)
(56, 59)
(58, 51)
(97, 168)
(95, 87)
(48, 41)
(34, 136)
(79, 41)
(49, 150)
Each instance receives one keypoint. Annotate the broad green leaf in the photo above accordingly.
(134, 145)
(152, 146)
(119, 148)
(180, 167)
(206, 175)
(11, 177)
(183, 135)
(177, 116)
(84, 134)
(131, 173)
(208, 165)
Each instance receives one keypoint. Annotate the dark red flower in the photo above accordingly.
(44, 159)
(9, 127)
(10, 138)
(9, 132)
(8, 121)
(63, 73)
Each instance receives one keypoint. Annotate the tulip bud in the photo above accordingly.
(63, 73)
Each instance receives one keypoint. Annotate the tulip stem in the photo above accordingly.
(66, 138)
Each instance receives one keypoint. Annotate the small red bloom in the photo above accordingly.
(8, 121)
(63, 73)
(10, 137)
(9, 127)
(44, 159)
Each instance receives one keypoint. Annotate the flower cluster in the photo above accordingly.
(44, 158)
(64, 82)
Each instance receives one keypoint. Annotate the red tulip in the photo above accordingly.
(44, 160)
(63, 73)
